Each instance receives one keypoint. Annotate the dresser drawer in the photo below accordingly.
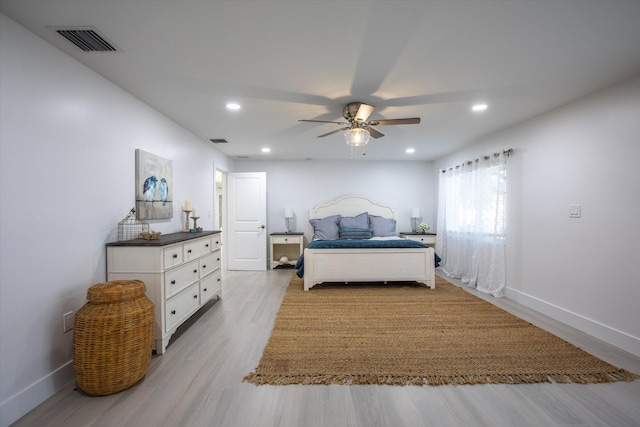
(180, 277)
(172, 256)
(209, 263)
(283, 240)
(427, 239)
(196, 249)
(210, 286)
(182, 306)
(216, 242)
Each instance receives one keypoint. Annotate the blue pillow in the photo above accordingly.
(355, 233)
(326, 228)
(382, 227)
(360, 221)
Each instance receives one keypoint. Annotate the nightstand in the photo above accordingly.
(429, 239)
(288, 245)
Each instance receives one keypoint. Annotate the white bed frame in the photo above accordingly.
(365, 265)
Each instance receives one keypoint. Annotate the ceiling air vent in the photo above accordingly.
(86, 38)
(219, 140)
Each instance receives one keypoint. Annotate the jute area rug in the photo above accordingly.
(406, 334)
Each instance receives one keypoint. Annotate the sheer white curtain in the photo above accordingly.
(471, 236)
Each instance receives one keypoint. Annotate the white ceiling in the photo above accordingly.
(289, 60)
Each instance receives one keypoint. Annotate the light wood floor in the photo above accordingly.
(198, 382)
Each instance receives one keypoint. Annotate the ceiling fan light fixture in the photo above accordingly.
(357, 137)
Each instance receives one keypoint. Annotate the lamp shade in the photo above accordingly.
(288, 212)
(357, 137)
(415, 213)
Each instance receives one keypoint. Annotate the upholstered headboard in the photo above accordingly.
(351, 206)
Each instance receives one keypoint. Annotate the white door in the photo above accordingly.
(246, 221)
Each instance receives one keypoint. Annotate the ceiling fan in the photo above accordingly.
(358, 127)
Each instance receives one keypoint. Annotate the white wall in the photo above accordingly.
(68, 140)
(304, 184)
(584, 272)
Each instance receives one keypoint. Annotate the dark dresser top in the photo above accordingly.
(417, 233)
(165, 239)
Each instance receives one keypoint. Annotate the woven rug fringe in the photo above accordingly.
(605, 377)
(434, 380)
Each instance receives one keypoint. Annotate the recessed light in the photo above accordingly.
(410, 150)
(266, 150)
(479, 107)
(233, 106)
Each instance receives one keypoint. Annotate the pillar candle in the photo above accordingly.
(193, 212)
(187, 205)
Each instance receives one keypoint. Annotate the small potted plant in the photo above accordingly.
(424, 227)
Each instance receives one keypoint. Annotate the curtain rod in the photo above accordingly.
(507, 152)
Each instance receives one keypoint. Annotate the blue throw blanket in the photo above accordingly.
(358, 244)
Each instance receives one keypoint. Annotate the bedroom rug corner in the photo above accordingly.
(406, 334)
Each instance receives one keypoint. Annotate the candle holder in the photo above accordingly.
(186, 223)
(195, 223)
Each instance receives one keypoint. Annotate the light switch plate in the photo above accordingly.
(575, 211)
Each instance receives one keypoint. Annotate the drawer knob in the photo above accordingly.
(189, 251)
(173, 282)
(206, 246)
(175, 256)
(218, 279)
(173, 312)
(195, 296)
(218, 259)
(217, 242)
(195, 271)
(204, 266)
(205, 289)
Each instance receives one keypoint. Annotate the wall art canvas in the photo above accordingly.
(154, 186)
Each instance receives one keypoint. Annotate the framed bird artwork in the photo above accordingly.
(154, 186)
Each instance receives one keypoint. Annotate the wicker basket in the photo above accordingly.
(113, 337)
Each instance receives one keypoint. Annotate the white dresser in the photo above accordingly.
(180, 270)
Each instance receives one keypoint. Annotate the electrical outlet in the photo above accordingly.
(575, 211)
(67, 321)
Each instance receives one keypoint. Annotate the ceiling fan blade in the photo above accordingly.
(364, 111)
(323, 121)
(374, 133)
(332, 132)
(409, 121)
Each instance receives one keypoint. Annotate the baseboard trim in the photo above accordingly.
(18, 405)
(598, 330)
